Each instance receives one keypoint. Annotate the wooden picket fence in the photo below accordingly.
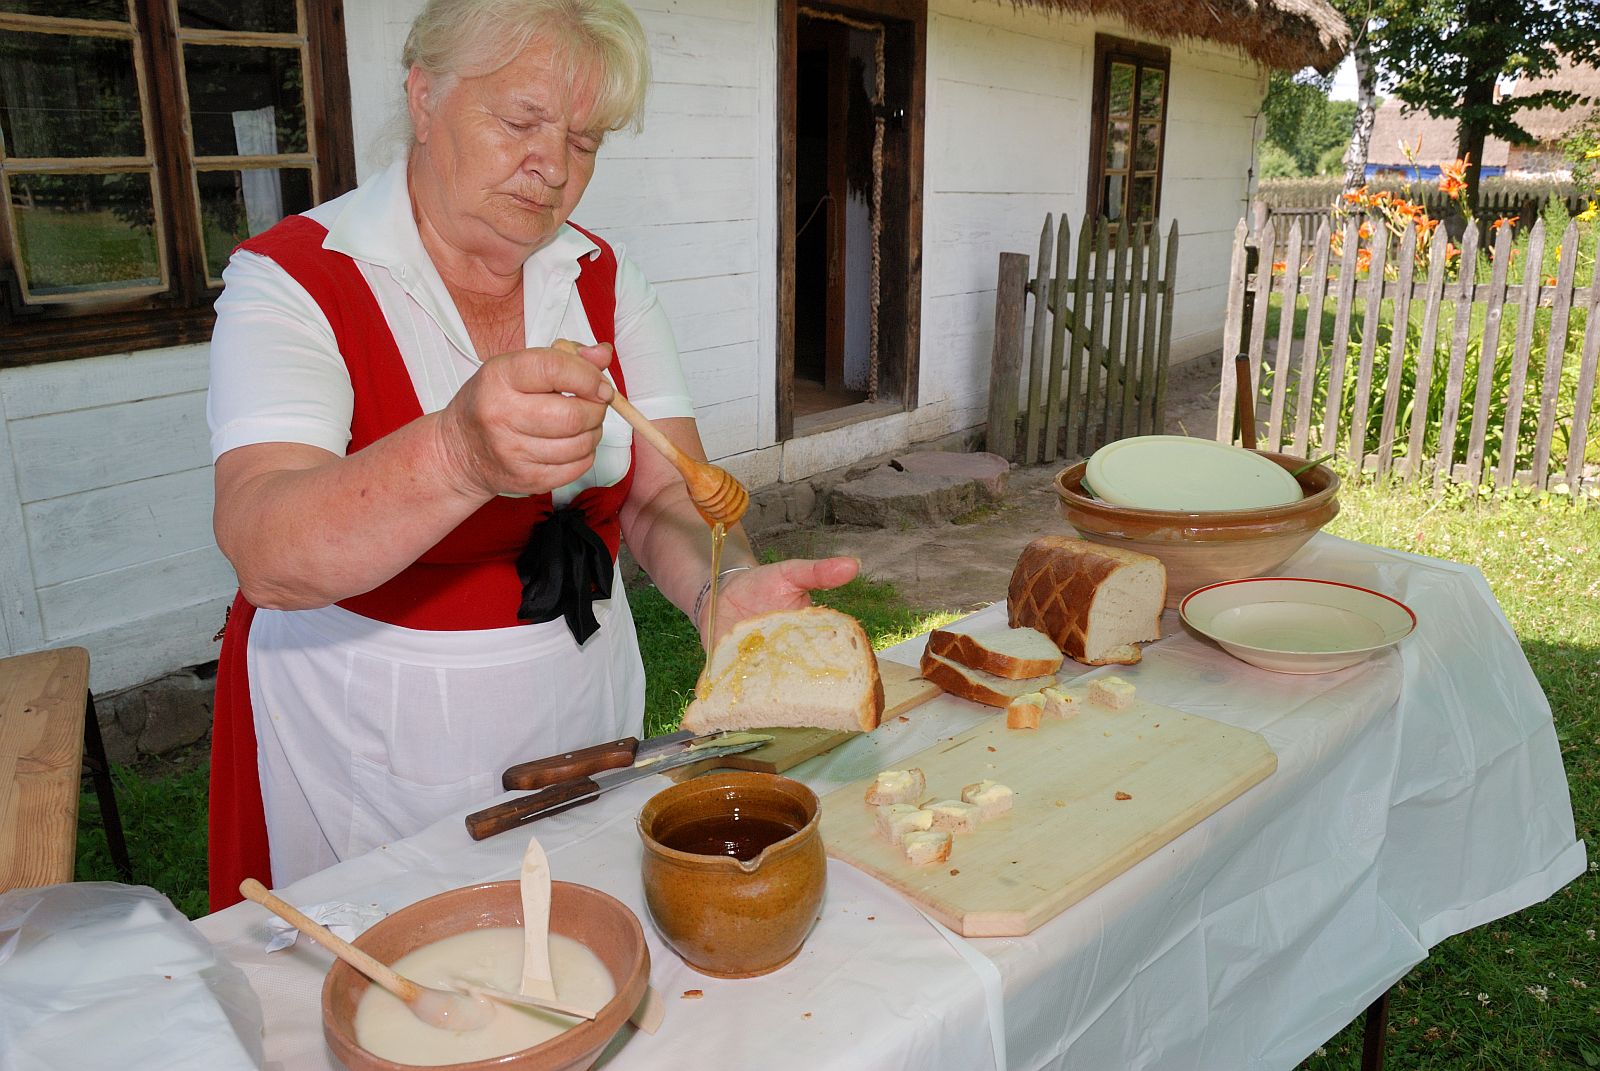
(1108, 325)
(1526, 407)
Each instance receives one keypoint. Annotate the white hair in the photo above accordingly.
(452, 39)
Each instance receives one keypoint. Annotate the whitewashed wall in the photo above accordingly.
(105, 486)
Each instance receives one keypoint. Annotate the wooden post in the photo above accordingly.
(1005, 372)
(1311, 347)
(1444, 464)
(1283, 359)
(1169, 287)
(1399, 335)
(1114, 341)
(1145, 423)
(1510, 433)
(1058, 338)
(1130, 358)
(1422, 393)
(1488, 351)
(1371, 324)
(1555, 353)
(1341, 335)
(1080, 340)
(1097, 346)
(1578, 441)
(1232, 330)
(1031, 421)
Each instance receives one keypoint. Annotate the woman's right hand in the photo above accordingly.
(527, 421)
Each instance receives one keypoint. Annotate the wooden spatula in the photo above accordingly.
(436, 1007)
(536, 980)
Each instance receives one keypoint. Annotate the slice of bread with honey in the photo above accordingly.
(811, 667)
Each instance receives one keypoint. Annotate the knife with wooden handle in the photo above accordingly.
(554, 799)
(597, 758)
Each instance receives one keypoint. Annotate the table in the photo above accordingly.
(1417, 795)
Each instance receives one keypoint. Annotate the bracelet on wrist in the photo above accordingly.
(705, 589)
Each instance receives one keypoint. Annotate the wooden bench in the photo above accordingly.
(48, 733)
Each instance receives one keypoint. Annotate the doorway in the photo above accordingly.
(850, 212)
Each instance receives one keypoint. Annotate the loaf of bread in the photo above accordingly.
(974, 684)
(811, 667)
(1089, 599)
(1013, 653)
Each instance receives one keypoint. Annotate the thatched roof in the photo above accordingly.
(1290, 34)
(1395, 124)
(1553, 124)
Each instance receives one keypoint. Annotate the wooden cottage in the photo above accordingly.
(820, 193)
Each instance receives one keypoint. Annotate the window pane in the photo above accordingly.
(1147, 152)
(1111, 200)
(68, 96)
(112, 10)
(1151, 83)
(1143, 204)
(237, 204)
(262, 16)
(1119, 89)
(245, 101)
(84, 233)
(1117, 145)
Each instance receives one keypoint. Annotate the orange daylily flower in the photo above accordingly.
(1451, 250)
(1365, 231)
(1504, 221)
(1549, 280)
(1363, 259)
(1453, 179)
(1280, 265)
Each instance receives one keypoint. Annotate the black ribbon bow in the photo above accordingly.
(564, 568)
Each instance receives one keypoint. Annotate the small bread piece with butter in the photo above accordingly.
(896, 786)
(990, 797)
(1061, 704)
(1024, 711)
(896, 820)
(924, 848)
(1112, 692)
(953, 816)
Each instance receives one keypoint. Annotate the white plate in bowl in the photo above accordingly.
(1187, 475)
(1297, 624)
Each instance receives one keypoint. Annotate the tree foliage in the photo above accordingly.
(1445, 56)
(1303, 123)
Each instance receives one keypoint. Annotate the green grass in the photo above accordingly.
(1541, 555)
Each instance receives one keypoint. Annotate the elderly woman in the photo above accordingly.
(422, 499)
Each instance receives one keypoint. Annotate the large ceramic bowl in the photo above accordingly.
(728, 917)
(586, 915)
(1203, 548)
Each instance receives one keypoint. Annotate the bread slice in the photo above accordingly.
(811, 667)
(897, 786)
(1024, 711)
(976, 685)
(924, 848)
(1013, 653)
(1088, 598)
(990, 797)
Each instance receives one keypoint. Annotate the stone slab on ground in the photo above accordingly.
(893, 498)
(987, 470)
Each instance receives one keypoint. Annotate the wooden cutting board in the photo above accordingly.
(1067, 833)
(902, 690)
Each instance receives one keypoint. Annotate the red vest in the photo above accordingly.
(466, 581)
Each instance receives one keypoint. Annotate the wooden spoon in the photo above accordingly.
(523, 1000)
(436, 1007)
(715, 493)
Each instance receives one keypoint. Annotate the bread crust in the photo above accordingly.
(950, 678)
(970, 652)
(1053, 588)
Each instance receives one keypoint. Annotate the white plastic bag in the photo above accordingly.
(102, 975)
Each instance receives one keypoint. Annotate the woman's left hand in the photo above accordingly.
(785, 585)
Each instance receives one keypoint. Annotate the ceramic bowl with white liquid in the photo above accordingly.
(1297, 624)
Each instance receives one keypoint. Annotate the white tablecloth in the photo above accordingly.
(1417, 795)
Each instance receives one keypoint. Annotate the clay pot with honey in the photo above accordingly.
(734, 870)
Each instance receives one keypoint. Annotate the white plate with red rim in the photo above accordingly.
(1297, 624)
